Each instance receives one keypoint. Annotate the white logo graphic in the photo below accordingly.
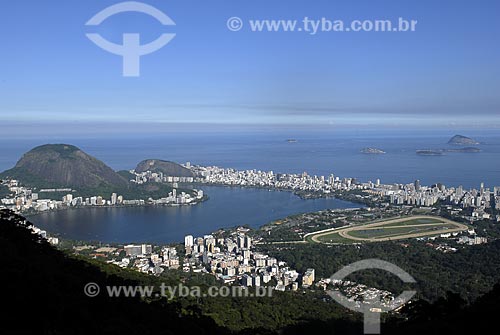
(373, 307)
(131, 50)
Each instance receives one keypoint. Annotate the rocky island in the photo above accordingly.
(429, 152)
(464, 150)
(462, 140)
(440, 152)
(372, 151)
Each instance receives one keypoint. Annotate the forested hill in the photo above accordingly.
(63, 165)
(44, 287)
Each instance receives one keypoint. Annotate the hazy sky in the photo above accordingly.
(447, 73)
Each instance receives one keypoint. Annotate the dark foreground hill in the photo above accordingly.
(42, 293)
(63, 165)
(167, 168)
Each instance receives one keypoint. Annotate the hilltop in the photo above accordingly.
(64, 165)
(166, 167)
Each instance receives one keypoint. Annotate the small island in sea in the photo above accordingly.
(291, 140)
(462, 140)
(440, 152)
(429, 152)
(464, 150)
(372, 151)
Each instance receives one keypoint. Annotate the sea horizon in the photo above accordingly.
(321, 152)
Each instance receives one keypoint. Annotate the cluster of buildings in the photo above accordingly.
(24, 199)
(481, 200)
(412, 194)
(232, 259)
(142, 258)
(359, 294)
(158, 177)
(179, 198)
(468, 237)
(43, 234)
(472, 240)
(256, 178)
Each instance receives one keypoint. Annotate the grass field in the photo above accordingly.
(388, 231)
(421, 221)
(333, 238)
(391, 229)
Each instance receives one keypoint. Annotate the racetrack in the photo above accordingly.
(393, 229)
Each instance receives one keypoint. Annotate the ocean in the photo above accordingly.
(315, 152)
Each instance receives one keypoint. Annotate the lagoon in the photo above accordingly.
(226, 207)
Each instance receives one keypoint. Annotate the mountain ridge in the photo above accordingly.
(63, 165)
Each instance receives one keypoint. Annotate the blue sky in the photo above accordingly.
(445, 74)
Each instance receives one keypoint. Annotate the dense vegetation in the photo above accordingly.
(45, 286)
(471, 271)
(166, 167)
(4, 191)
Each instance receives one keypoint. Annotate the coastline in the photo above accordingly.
(29, 214)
